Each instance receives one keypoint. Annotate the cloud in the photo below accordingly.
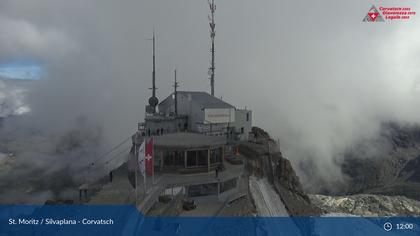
(12, 100)
(20, 38)
(337, 90)
(314, 74)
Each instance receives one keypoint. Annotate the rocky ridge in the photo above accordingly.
(264, 158)
(367, 205)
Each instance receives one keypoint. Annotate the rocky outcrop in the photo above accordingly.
(290, 190)
(287, 177)
(264, 159)
(367, 205)
(260, 134)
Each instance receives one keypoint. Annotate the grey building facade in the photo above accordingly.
(206, 114)
(198, 112)
(242, 124)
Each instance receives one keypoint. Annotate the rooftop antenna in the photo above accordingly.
(176, 85)
(153, 100)
(212, 7)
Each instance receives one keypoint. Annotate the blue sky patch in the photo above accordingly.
(21, 70)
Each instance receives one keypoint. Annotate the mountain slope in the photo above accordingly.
(393, 168)
(367, 205)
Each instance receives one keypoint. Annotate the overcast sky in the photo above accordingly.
(314, 74)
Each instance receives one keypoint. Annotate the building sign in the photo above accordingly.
(219, 115)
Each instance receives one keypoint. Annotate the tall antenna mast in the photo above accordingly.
(153, 100)
(154, 66)
(212, 35)
(176, 85)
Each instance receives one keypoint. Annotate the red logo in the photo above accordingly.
(373, 15)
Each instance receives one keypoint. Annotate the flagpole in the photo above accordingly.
(145, 184)
(137, 166)
(145, 170)
(137, 192)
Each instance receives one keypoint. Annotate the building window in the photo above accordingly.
(247, 116)
(168, 158)
(215, 155)
(191, 158)
(179, 158)
(242, 130)
(202, 157)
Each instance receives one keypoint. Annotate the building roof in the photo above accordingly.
(188, 140)
(206, 100)
(203, 99)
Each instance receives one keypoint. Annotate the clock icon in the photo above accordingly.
(387, 226)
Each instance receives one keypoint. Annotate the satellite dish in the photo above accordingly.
(153, 101)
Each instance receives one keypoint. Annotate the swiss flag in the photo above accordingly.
(149, 157)
(373, 15)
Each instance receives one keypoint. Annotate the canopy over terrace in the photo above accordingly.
(188, 152)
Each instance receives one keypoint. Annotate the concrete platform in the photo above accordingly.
(120, 191)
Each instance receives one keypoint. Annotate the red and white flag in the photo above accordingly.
(149, 157)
